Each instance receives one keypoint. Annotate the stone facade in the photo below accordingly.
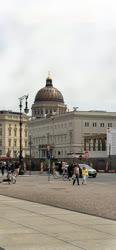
(73, 132)
(10, 134)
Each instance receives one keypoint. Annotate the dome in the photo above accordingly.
(49, 93)
(48, 101)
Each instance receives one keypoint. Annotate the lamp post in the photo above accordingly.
(53, 145)
(26, 110)
(49, 160)
(30, 153)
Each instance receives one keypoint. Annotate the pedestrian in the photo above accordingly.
(17, 167)
(76, 174)
(54, 170)
(3, 167)
(84, 175)
(70, 173)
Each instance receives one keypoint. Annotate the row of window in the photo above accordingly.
(55, 126)
(16, 131)
(15, 143)
(47, 111)
(56, 153)
(95, 144)
(102, 124)
(51, 139)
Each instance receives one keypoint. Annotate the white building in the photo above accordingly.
(66, 132)
(111, 142)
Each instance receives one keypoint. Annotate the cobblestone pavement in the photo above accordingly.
(94, 198)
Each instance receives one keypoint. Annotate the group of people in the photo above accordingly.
(9, 167)
(76, 174)
(73, 172)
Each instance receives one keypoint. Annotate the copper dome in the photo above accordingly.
(49, 93)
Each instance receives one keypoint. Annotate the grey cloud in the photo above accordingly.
(75, 43)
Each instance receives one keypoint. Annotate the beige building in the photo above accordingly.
(66, 133)
(10, 134)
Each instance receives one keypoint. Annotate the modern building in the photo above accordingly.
(67, 133)
(10, 134)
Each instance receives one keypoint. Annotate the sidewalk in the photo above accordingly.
(27, 225)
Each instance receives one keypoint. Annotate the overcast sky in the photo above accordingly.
(74, 39)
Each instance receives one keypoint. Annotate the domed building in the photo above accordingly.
(48, 101)
(67, 134)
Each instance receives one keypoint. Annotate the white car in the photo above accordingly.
(91, 171)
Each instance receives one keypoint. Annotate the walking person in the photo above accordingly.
(76, 174)
(3, 168)
(84, 175)
(17, 168)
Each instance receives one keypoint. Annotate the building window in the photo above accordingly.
(25, 143)
(25, 132)
(0, 152)
(0, 142)
(15, 143)
(9, 142)
(102, 124)
(86, 124)
(94, 144)
(9, 131)
(94, 124)
(15, 153)
(109, 125)
(99, 144)
(15, 132)
(0, 131)
(103, 144)
(87, 144)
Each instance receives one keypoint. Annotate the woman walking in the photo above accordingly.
(84, 175)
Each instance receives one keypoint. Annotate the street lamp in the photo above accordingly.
(30, 153)
(26, 110)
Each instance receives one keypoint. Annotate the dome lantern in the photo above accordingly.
(49, 81)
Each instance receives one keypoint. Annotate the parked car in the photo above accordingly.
(91, 171)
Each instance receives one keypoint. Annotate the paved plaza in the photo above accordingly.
(95, 198)
(41, 214)
(27, 225)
